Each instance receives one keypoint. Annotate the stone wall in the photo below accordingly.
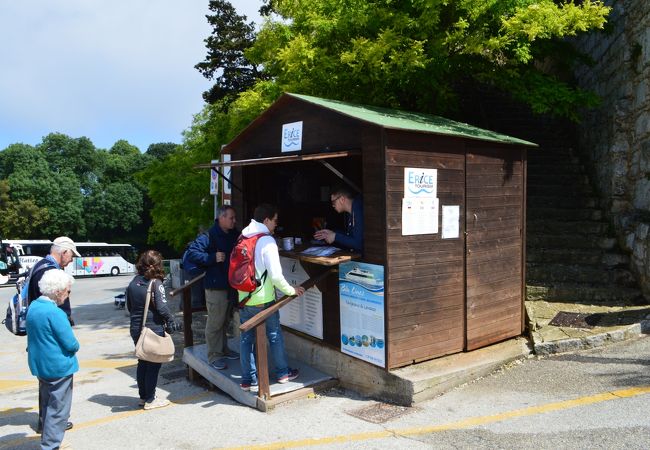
(615, 137)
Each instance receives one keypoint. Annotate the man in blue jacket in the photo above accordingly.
(343, 201)
(211, 252)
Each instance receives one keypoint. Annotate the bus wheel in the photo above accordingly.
(115, 271)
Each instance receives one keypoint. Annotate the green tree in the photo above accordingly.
(420, 54)
(179, 192)
(226, 62)
(116, 205)
(77, 155)
(161, 150)
(19, 219)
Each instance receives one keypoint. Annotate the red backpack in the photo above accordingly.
(241, 271)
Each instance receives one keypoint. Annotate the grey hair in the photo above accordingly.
(55, 249)
(221, 210)
(54, 281)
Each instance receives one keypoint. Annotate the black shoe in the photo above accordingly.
(68, 426)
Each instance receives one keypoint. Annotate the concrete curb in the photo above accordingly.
(598, 340)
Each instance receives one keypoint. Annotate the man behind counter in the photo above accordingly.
(343, 201)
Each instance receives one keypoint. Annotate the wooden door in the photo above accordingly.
(495, 225)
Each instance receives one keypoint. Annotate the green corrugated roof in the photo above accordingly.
(404, 120)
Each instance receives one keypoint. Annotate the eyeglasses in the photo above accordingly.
(335, 199)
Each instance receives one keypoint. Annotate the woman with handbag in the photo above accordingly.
(51, 354)
(146, 295)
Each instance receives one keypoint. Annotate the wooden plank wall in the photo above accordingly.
(495, 233)
(425, 274)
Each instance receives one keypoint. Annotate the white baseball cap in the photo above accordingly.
(66, 243)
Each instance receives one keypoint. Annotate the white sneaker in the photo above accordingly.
(156, 403)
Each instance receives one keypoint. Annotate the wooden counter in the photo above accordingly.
(333, 260)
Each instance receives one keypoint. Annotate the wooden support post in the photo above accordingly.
(261, 358)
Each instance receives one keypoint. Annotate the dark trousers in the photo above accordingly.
(147, 377)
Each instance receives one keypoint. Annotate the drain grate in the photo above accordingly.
(379, 412)
(575, 320)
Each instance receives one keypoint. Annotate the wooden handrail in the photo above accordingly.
(264, 314)
(186, 285)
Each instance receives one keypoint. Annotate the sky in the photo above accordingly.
(103, 69)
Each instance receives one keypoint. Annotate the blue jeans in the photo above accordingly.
(276, 344)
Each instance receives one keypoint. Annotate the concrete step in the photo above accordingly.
(571, 241)
(554, 226)
(578, 273)
(567, 214)
(588, 256)
(584, 293)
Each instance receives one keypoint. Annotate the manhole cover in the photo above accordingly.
(379, 412)
(575, 320)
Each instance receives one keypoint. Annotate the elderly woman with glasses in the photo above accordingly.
(51, 354)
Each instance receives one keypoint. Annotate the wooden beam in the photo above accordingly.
(280, 159)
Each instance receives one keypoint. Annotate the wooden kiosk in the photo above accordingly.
(453, 271)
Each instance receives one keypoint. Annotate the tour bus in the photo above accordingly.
(97, 258)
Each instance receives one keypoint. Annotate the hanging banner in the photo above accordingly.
(361, 297)
(227, 172)
(214, 179)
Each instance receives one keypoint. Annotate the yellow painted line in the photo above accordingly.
(102, 364)
(470, 422)
(106, 363)
(6, 385)
(104, 420)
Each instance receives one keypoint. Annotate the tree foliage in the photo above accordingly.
(67, 186)
(226, 62)
(418, 54)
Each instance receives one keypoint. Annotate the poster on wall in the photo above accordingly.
(420, 203)
(304, 314)
(291, 137)
(361, 297)
(419, 216)
(420, 183)
(450, 221)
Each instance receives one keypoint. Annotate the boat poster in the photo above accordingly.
(361, 297)
(305, 313)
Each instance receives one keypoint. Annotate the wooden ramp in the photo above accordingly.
(309, 381)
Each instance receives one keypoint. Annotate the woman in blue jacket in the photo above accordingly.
(51, 354)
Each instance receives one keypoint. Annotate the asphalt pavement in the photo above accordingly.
(586, 399)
